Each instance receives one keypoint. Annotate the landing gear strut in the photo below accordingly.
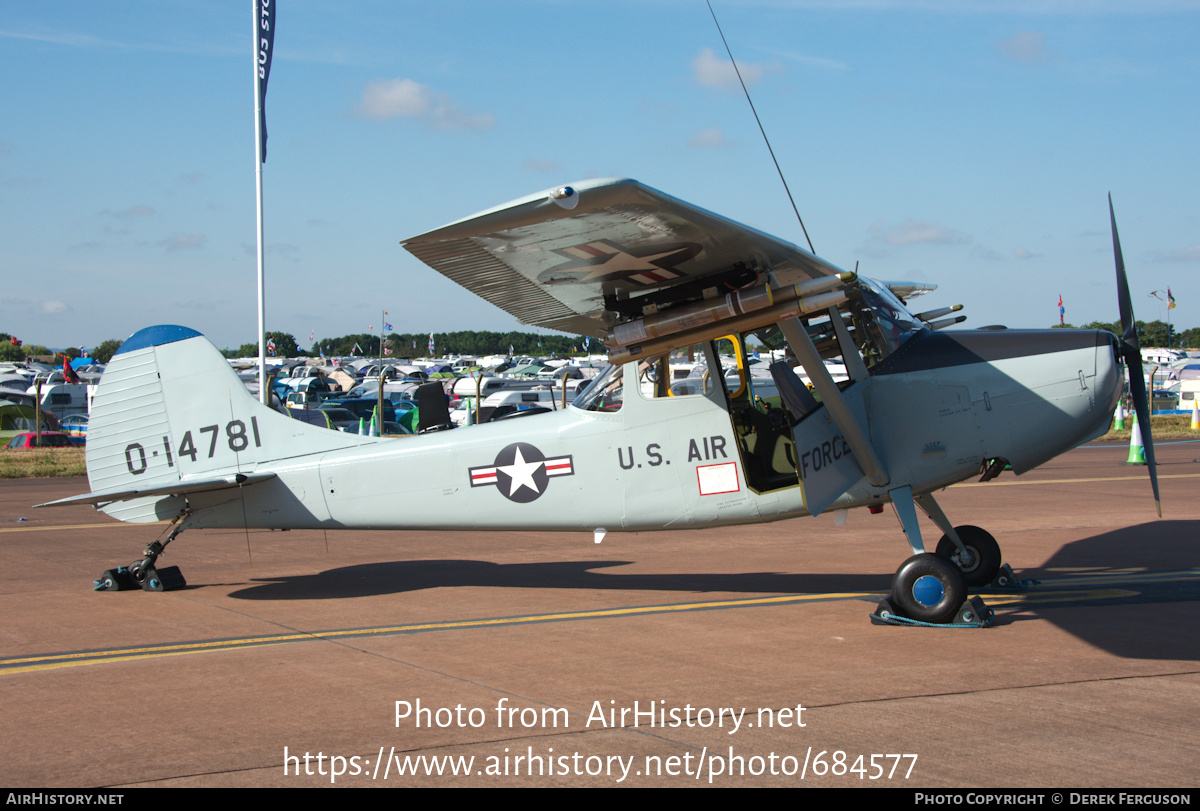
(142, 573)
(931, 589)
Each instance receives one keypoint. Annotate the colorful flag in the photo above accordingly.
(271, 347)
(1170, 300)
(265, 13)
(431, 343)
(1062, 311)
(387, 326)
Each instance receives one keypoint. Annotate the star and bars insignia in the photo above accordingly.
(606, 261)
(521, 472)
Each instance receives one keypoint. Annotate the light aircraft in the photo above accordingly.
(175, 436)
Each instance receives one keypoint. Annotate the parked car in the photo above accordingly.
(49, 439)
(362, 407)
(75, 426)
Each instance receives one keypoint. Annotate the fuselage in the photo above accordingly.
(935, 410)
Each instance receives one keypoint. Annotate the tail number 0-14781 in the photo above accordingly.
(237, 438)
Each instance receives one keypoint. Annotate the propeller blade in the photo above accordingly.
(1132, 353)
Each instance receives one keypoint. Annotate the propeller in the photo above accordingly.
(1132, 354)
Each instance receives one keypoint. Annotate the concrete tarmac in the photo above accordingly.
(736, 657)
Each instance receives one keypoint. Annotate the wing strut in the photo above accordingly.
(804, 350)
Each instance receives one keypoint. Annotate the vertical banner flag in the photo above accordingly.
(266, 47)
(1062, 311)
(1170, 300)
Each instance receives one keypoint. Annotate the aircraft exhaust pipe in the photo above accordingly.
(945, 322)
(732, 305)
(929, 315)
(793, 307)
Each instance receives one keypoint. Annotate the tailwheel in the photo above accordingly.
(980, 564)
(142, 572)
(928, 588)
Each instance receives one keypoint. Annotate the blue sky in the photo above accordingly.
(970, 144)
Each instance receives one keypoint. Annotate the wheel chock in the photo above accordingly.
(1007, 579)
(971, 614)
(167, 579)
(974, 614)
(117, 579)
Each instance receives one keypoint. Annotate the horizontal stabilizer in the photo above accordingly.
(177, 489)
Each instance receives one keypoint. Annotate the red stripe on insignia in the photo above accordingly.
(591, 250)
(486, 476)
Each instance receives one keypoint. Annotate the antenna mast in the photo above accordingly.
(760, 128)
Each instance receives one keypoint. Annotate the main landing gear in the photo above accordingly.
(142, 573)
(931, 589)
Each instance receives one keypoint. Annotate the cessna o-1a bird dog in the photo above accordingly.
(648, 274)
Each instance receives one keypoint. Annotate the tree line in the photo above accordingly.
(416, 345)
(470, 342)
(1149, 333)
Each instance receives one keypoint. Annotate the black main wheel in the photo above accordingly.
(982, 561)
(928, 588)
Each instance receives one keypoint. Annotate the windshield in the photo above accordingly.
(604, 393)
(884, 321)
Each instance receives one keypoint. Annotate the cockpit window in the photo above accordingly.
(604, 393)
(882, 322)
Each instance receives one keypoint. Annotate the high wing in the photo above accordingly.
(576, 258)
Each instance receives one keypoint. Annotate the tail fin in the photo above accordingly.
(170, 413)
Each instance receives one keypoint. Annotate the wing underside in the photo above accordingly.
(578, 257)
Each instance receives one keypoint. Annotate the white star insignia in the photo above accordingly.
(521, 473)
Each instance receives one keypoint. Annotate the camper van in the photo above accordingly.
(63, 399)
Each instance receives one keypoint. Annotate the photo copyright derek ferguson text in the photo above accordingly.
(516, 761)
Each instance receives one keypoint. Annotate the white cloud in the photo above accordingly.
(178, 242)
(542, 165)
(130, 213)
(404, 98)
(392, 98)
(912, 232)
(1191, 254)
(1023, 253)
(1027, 46)
(708, 139)
(711, 71)
(52, 307)
(818, 62)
